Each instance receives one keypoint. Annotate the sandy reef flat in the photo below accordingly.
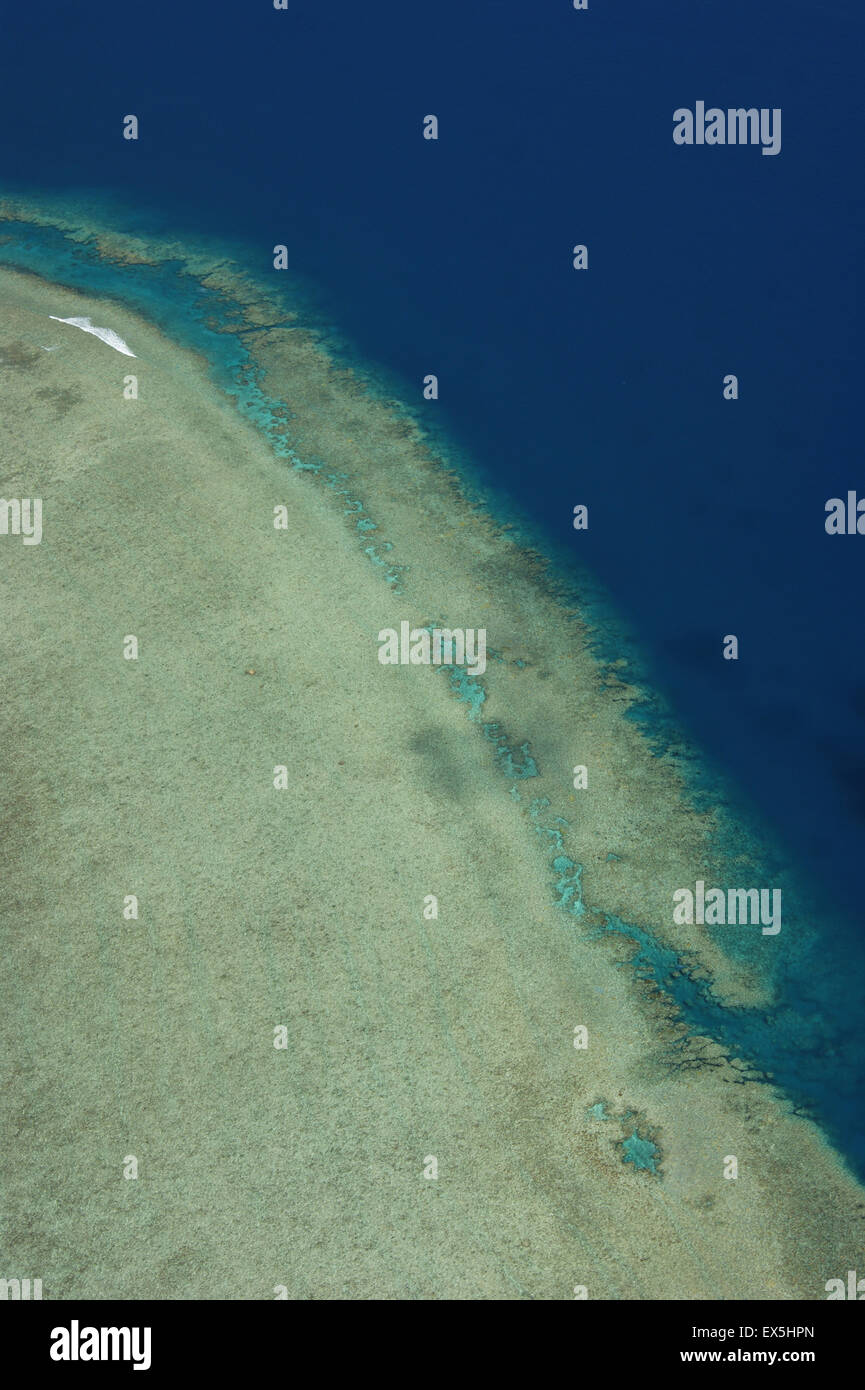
(408, 1038)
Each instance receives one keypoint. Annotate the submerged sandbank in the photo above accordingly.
(408, 1037)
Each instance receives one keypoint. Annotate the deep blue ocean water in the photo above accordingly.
(605, 387)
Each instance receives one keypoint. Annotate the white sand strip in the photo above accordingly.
(106, 334)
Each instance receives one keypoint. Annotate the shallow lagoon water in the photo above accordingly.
(774, 1038)
(201, 318)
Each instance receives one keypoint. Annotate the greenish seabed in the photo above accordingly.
(461, 1032)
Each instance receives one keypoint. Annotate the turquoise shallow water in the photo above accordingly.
(810, 1044)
